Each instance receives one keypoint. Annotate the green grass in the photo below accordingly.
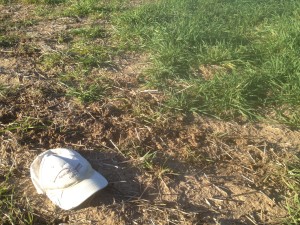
(82, 56)
(8, 40)
(254, 43)
(26, 125)
(13, 208)
(93, 7)
(51, 2)
(7, 91)
(89, 55)
(3, 91)
(84, 86)
(90, 32)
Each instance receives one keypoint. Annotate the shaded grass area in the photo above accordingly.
(253, 45)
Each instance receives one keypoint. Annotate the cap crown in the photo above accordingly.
(58, 171)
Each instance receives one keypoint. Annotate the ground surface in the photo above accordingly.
(162, 168)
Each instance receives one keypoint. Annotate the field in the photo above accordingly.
(190, 108)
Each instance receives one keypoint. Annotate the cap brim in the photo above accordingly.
(71, 197)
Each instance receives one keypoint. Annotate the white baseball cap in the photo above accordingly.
(65, 177)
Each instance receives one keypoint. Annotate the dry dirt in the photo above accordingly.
(162, 168)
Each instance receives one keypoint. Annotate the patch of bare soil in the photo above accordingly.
(161, 168)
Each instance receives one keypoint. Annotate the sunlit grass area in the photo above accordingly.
(222, 58)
